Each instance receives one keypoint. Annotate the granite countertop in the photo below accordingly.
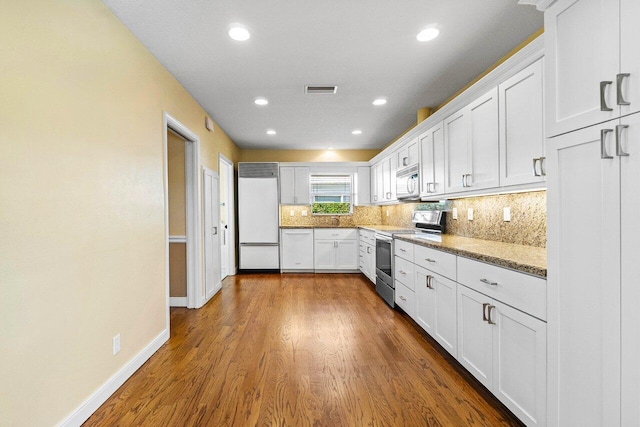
(389, 228)
(317, 226)
(526, 259)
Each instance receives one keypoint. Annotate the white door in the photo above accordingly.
(483, 138)
(227, 249)
(347, 254)
(521, 127)
(425, 301)
(583, 285)
(630, 261)
(432, 152)
(581, 53)
(475, 341)
(629, 58)
(456, 151)
(211, 207)
(324, 253)
(519, 363)
(446, 332)
(287, 185)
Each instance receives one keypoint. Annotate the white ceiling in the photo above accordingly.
(368, 48)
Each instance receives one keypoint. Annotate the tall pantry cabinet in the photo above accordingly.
(593, 181)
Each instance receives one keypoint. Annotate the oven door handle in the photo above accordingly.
(383, 238)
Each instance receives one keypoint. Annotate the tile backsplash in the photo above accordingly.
(528, 225)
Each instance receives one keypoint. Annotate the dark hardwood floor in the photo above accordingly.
(299, 350)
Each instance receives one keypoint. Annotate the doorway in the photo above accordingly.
(174, 130)
(227, 216)
(211, 203)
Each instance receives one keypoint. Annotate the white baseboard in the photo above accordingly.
(177, 301)
(89, 406)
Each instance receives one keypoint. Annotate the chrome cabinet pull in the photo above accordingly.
(535, 169)
(403, 250)
(368, 249)
(214, 230)
(429, 285)
(619, 151)
(489, 282)
(543, 171)
(466, 180)
(489, 310)
(402, 298)
(463, 181)
(375, 198)
(405, 161)
(603, 100)
(402, 272)
(484, 311)
(603, 147)
(431, 187)
(619, 80)
(430, 260)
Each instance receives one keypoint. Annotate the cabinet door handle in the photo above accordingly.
(368, 249)
(431, 187)
(603, 99)
(619, 150)
(484, 311)
(619, 80)
(463, 181)
(489, 282)
(214, 230)
(375, 198)
(429, 284)
(403, 250)
(603, 147)
(543, 170)
(402, 298)
(430, 260)
(489, 311)
(535, 169)
(405, 161)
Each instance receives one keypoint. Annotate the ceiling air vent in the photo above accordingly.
(313, 90)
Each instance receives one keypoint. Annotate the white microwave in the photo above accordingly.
(408, 183)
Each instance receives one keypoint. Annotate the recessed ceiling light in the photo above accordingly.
(239, 33)
(356, 132)
(330, 148)
(271, 132)
(261, 101)
(379, 101)
(429, 33)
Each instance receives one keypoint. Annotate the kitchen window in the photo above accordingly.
(331, 194)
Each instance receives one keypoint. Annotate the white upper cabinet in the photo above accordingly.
(582, 50)
(383, 179)
(432, 150)
(629, 58)
(408, 155)
(364, 196)
(521, 127)
(456, 151)
(294, 185)
(471, 146)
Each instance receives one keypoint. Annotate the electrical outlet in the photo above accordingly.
(291, 212)
(387, 212)
(116, 344)
(506, 214)
(454, 212)
(470, 214)
(304, 212)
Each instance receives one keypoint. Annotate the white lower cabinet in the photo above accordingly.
(436, 307)
(405, 299)
(505, 349)
(297, 249)
(336, 249)
(367, 254)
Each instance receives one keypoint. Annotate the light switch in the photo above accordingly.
(470, 214)
(454, 212)
(506, 214)
(304, 212)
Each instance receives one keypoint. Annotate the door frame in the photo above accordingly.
(193, 209)
(231, 265)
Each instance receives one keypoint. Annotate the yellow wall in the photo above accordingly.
(176, 181)
(308, 155)
(81, 201)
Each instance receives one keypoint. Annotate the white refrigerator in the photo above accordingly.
(258, 216)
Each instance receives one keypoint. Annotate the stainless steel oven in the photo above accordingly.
(384, 268)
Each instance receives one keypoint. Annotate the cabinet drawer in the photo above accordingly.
(521, 291)
(439, 262)
(404, 271)
(336, 234)
(406, 299)
(367, 236)
(403, 249)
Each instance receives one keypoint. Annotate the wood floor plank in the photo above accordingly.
(299, 350)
